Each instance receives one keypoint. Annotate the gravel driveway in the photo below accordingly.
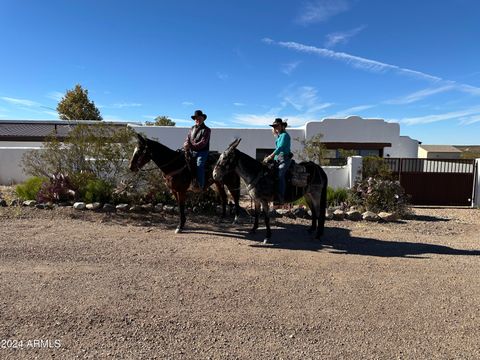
(91, 285)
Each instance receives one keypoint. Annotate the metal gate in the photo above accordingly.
(446, 182)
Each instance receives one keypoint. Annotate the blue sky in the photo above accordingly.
(246, 62)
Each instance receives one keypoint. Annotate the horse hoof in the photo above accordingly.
(266, 240)
(235, 221)
(178, 231)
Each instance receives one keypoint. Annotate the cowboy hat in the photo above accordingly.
(199, 113)
(277, 122)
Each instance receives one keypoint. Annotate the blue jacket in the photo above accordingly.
(282, 145)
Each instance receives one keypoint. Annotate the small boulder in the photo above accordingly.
(386, 216)
(147, 207)
(3, 203)
(170, 209)
(370, 216)
(29, 203)
(93, 206)
(135, 208)
(300, 212)
(79, 206)
(353, 215)
(338, 215)
(122, 207)
(158, 207)
(328, 214)
(108, 207)
(14, 202)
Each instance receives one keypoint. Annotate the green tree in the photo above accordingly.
(75, 105)
(313, 150)
(161, 121)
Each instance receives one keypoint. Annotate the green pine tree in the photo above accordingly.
(75, 105)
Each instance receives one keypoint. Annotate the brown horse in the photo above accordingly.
(178, 176)
(261, 186)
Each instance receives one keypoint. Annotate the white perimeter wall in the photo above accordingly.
(476, 200)
(11, 171)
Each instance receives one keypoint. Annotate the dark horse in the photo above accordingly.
(178, 176)
(261, 186)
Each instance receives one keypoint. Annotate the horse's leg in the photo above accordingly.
(255, 222)
(234, 190)
(223, 197)
(181, 205)
(323, 209)
(311, 206)
(268, 235)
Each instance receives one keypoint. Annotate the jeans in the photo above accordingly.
(201, 157)
(283, 165)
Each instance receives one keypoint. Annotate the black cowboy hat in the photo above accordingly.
(199, 113)
(277, 122)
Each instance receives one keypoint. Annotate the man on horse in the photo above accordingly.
(198, 142)
(282, 154)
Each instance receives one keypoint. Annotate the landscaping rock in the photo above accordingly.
(300, 212)
(108, 207)
(30, 203)
(353, 215)
(170, 209)
(79, 206)
(135, 208)
(122, 207)
(385, 216)
(273, 213)
(14, 202)
(338, 215)
(158, 208)
(147, 207)
(370, 216)
(3, 203)
(328, 214)
(283, 212)
(94, 206)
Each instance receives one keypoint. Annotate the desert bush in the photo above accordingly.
(379, 195)
(58, 188)
(30, 188)
(376, 167)
(97, 190)
(94, 152)
(336, 197)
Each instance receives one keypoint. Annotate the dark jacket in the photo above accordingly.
(199, 137)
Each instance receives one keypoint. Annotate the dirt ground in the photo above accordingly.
(93, 285)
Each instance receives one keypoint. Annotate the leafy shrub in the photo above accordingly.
(379, 195)
(94, 151)
(336, 197)
(97, 190)
(58, 188)
(30, 188)
(376, 167)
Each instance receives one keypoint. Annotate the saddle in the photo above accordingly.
(298, 175)
(192, 166)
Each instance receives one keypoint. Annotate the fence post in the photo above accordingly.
(355, 166)
(476, 181)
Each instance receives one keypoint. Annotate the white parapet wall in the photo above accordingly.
(11, 169)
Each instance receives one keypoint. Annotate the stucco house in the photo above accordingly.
(438, 152)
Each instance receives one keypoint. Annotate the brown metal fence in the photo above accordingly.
(446, 182)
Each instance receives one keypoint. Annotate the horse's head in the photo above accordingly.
(226, 162)
(141, 154)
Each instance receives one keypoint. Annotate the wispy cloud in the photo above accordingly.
(290, 67)
(187, 103)
(355, 110)
(469, 120)
(342, 37)
(238, 104)
(55, 95)
(461, 115)
(321, 11)
(304, 99)
(125, 105)
(352, 60)
(420, 95)
(262, 120)
(222, 76)
(22, 102)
